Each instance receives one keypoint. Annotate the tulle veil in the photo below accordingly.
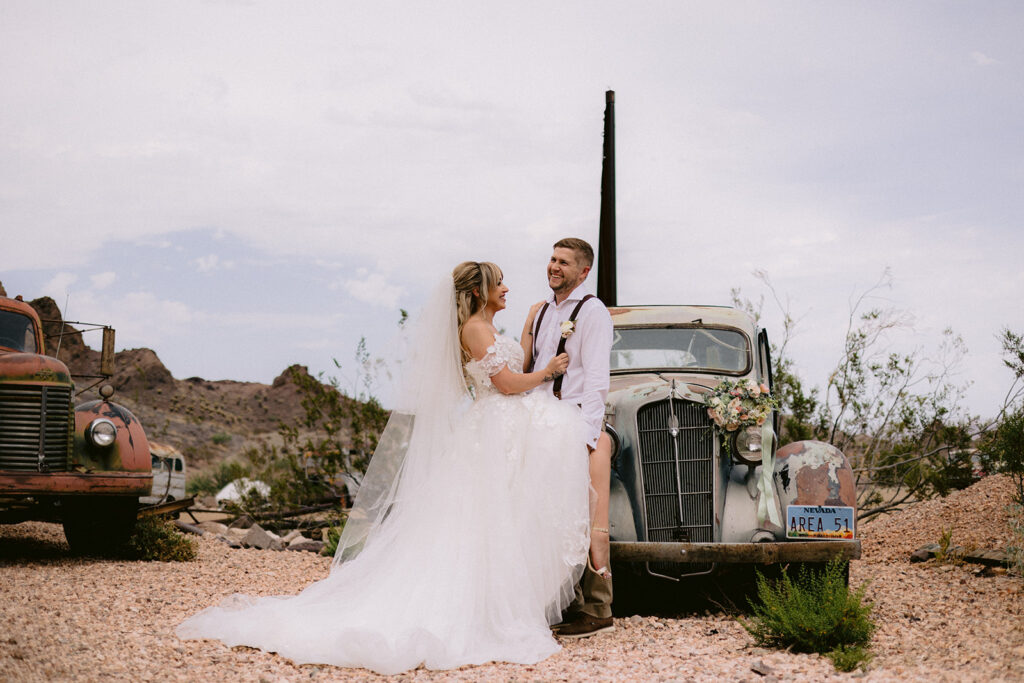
(431, 396)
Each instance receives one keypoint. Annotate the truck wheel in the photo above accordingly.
(97, 525)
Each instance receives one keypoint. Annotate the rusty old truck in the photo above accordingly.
(83, 465)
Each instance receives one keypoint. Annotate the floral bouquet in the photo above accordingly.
(744, 403)
(735, 405)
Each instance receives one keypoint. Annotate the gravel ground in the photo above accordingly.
(67, 618)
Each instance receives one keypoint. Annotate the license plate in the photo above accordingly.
(819, 521)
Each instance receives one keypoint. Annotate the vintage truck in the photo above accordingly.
(83, 465)
(684, 494)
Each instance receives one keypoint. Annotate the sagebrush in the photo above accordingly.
(157, 539)
(815, 611)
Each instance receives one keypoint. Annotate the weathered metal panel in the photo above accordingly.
(733, 553)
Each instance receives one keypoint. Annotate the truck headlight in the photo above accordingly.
(101, 432)
(747, 446)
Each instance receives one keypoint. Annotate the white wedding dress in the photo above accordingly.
(476, 555)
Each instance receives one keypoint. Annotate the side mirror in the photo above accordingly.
(107, 355)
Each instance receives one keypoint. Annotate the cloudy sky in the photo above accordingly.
(245, 185)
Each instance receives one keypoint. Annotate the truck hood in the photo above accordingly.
(32, 368)
(649, 386)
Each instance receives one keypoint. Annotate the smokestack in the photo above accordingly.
(606, 285)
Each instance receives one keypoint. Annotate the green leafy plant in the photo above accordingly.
(814, 612)
(221, 438)
(157, 540)
(331, 537)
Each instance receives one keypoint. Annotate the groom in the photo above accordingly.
(585, 383)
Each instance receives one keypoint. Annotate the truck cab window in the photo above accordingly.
(17, 332)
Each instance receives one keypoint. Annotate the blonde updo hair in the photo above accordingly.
(473, 282)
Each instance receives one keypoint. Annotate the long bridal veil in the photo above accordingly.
(430, 398)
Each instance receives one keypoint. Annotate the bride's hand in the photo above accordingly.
(557, 366)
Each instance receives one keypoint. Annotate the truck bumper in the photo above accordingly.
(73, 483)
(737, 553)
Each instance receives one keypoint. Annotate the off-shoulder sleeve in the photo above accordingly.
(497, 357)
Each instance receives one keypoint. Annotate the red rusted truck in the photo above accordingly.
(84, 465)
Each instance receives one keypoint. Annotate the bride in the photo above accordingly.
(471, 525)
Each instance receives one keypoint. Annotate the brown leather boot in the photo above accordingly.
(585, 626)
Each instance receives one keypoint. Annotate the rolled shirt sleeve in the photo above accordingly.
(595, 353)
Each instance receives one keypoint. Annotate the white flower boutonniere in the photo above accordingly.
(568, 327)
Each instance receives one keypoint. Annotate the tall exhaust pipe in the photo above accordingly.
(606, 285)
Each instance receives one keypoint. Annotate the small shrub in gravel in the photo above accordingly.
(156, 539)
(331, 539)
(814, 612)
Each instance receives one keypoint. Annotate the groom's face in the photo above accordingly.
(565, 271)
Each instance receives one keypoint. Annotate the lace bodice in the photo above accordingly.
(503, 353)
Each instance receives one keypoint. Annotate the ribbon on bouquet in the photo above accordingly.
(767, 505)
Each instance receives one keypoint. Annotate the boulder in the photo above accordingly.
(307, 545)
(258, 537)
(214, 527)
(243, 522)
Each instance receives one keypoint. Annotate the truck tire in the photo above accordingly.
(98, 525)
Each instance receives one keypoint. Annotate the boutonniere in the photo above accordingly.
(568, 327)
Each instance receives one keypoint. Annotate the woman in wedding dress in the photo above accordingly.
(471, 525)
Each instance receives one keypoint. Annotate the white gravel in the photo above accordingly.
(67, 618)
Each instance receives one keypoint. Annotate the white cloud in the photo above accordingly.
(210, 263)
(373, 289)
(103, 280)
(982, 59)
(59, 286)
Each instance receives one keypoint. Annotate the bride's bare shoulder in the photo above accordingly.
(477, 336)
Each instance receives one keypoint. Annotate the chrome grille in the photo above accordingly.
(678, 478)
(34, 421)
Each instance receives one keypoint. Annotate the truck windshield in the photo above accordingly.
(690, 348)
(17, 332)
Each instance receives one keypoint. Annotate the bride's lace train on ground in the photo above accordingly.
(476, 558)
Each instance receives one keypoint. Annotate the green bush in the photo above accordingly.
(221, 438)
(331, 538)
(815, 612)
(157, 539)
(1015, 549)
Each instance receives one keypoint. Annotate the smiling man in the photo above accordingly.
(581, 326)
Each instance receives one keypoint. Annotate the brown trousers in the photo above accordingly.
(593, 594)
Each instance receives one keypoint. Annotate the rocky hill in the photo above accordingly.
(207, 421)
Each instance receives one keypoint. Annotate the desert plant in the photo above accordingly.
(156, 539)
(815, 611)
(331, 538)
(948, 553)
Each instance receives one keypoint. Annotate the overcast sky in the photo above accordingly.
(245, 185)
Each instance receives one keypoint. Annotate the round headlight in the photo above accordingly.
(101, 432)
(748, 446)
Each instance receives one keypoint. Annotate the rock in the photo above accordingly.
(214, 527)
(208, 502)
(258, 537)
(762, 669)
(293, 534)
(923, 554)
(243, 522)
(310, 546)
(293, 539)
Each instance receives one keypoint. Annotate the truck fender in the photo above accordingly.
(129, 452)
(622, 524)
(814, 473)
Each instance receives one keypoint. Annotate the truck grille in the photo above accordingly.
(678, 478)
(35, 420)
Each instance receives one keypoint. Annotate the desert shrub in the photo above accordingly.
(814, 612)
(331, 539)
(848, 658)
(213, 482)
(1003, 451)
(157, 539)
(221, 438)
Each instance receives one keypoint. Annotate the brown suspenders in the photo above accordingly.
(557, 388)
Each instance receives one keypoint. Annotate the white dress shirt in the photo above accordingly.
(589, 347)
